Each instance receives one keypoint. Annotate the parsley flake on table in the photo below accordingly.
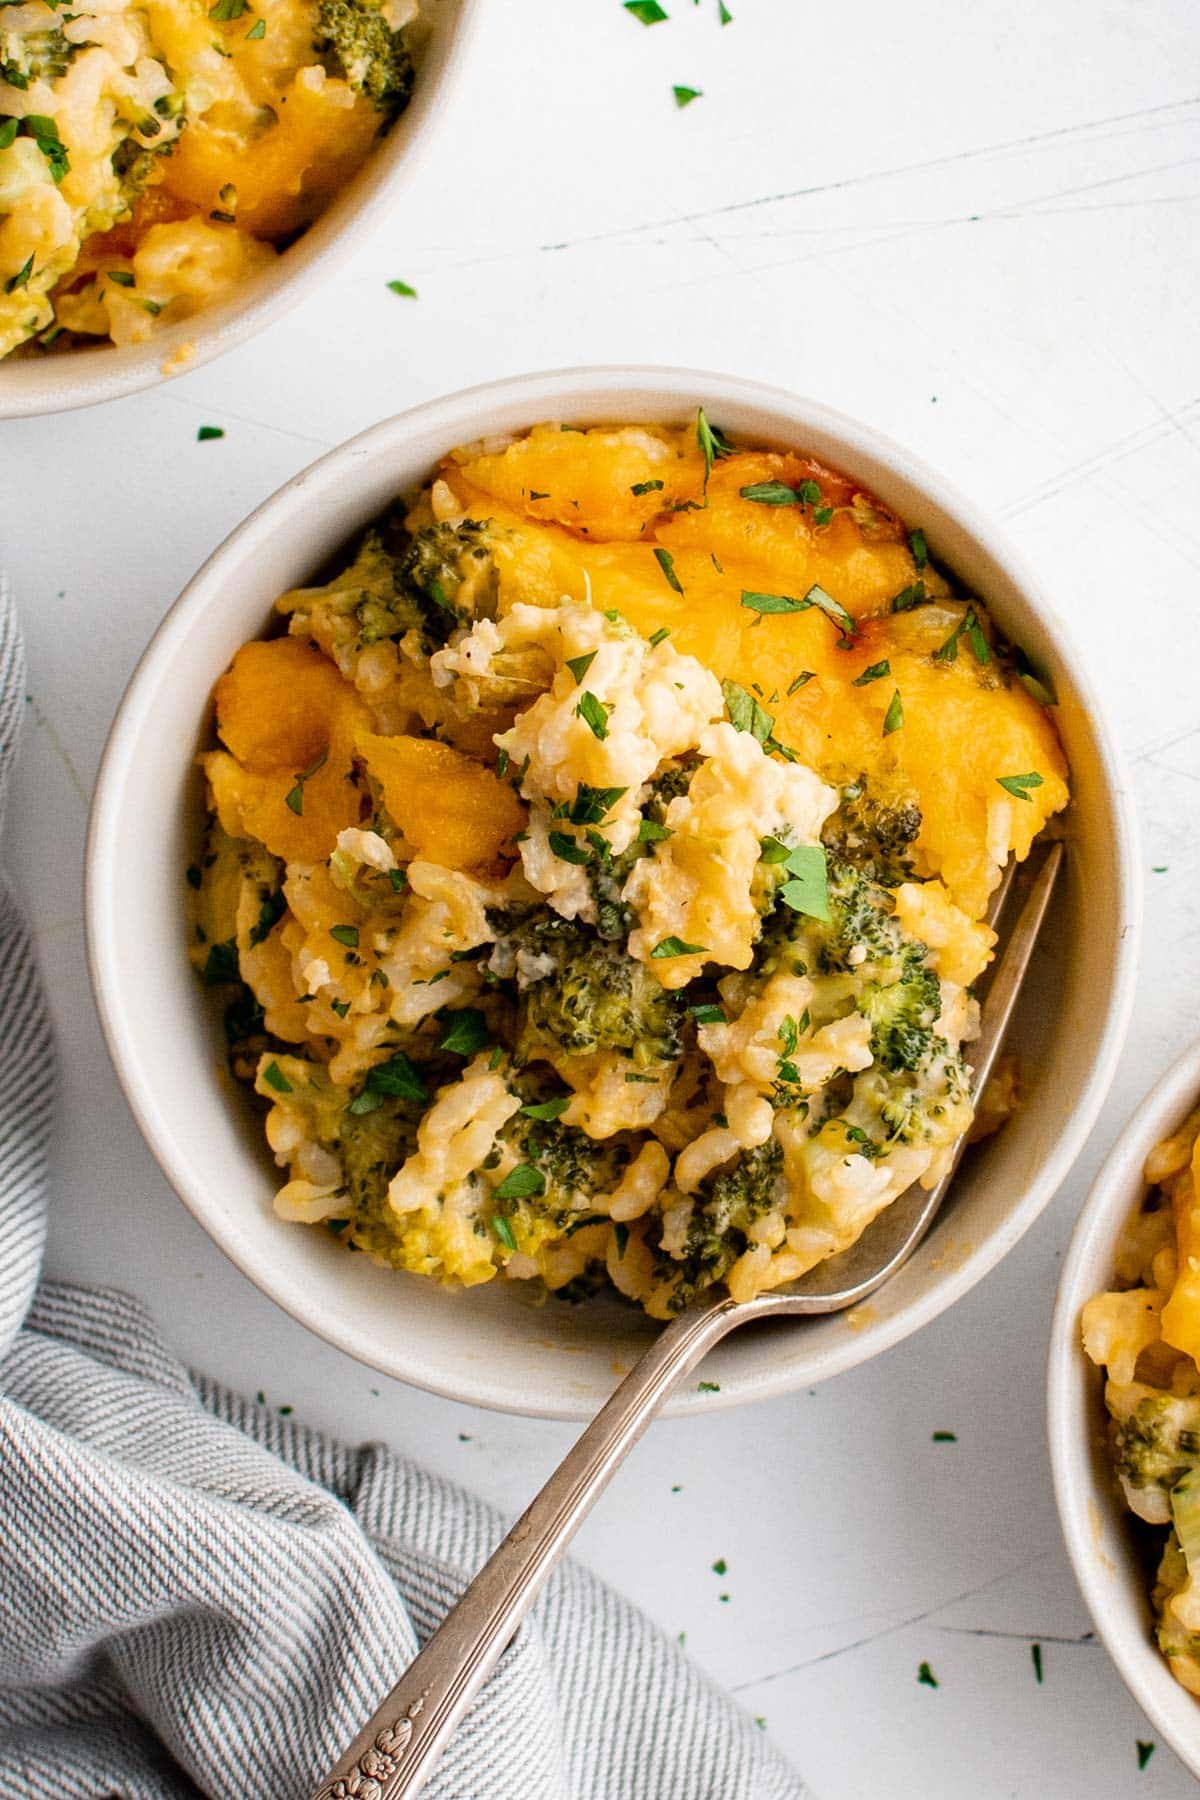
(207, 433)
(685, 95)
(403, 289)
(1144, 1752)
(708, 1387)
(1035, 1651)
(720, 1567)
(945, 1437)
(648, 11)
(926, 1676)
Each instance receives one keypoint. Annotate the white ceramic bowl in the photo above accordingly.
(57, 383)
(1094, 1520)
(489, 1346)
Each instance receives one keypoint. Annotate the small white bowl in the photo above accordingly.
(489, 1346)
(1095, 1523)
(30, 385)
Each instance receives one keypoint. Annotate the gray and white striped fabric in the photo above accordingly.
(200, 1597)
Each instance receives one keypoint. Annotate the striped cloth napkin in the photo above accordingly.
(199, 1597)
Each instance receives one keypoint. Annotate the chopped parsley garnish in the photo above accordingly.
(594, 714)
(805, 675)
(579, 665)
(21, 278)
(207, 433)
(970, 628)
(833, 609)
(396, 1077)
(521, 1183)
(807, 887)
(657, 637)
(926, 1676)
(394, 287)
(1035, 1651)
(270, 913)
(345, 934)
(675, 946)
(294, 799)
(621, 1238)
(708, 1387)
(466, 1031)
(720, 1567)
(568, 848)
(8, 132)
(919, 548)
(1018, 785)
(666, 563)
(713, 443)
(648, 11)
(874, 673)
(225, 10)
(591, 806)
(274, 1077)
(771, 493)
(707, 1014)
(645, 487)
(121, 277)
(745, 714)
(894, 717)
(546, 1110)
(909, 597)
(258, 29)
(503, 1231)
(650, 832)
(774, 603)
(194, 876)
(221, 964)
(44, 133)
(685, 95)
(945, 1437)
(772, 851)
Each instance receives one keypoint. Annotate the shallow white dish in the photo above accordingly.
(58, 383)
(1094, 1520)
(490, 1346)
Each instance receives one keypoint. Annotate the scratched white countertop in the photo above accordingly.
(979, 227)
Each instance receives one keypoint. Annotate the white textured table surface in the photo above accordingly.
(978, 227)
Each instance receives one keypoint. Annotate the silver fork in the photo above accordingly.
(395, 1752)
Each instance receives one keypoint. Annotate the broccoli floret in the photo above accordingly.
(571, 1169)
(593, 997)
(355, 37)
(382, 607)
(27, 56)
(903, 1012)
(728, 1204)
(1154, 1447)
(873, 833)
(450, 571)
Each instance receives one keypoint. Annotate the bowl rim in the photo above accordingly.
(1084, 1502)
(104, 371)
(545, 394)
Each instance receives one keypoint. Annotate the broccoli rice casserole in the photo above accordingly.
(1145, 1333)
(595, 866)
(153, 153)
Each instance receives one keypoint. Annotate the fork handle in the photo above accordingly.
(395, 1752)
